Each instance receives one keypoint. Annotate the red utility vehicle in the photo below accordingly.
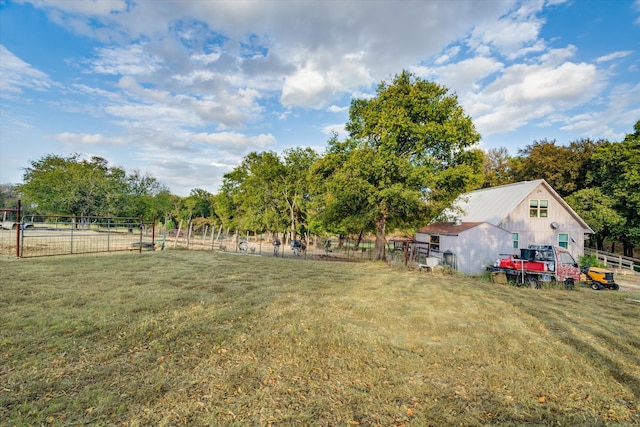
(539, 264)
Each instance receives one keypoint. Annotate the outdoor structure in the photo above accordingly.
(502, 220)
(468, 247)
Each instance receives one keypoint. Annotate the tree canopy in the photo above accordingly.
(56, 184)
(268, 193)
(403, 144)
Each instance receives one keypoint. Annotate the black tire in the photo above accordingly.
(532, 282)
(616, 287)
(568, 284)
(595, 286)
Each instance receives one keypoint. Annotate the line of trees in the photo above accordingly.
(600, 180)
(410, 151)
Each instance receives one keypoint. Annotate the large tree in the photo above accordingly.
(598, 210)
(615, 169)
(70, 185)
(563, 167)
(497, 168)
(268, 192)
(401, 145)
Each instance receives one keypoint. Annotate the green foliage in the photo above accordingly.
(590, 260)
(616, 171)
(497, 168)
(199, 204)
(563, 167)
(597, 210)
(268, 193)
(70, 185)
(404, 145)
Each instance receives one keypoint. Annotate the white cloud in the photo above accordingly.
(18, 75)
(235, 143)
(126, 61)
(89, 139)
(614, 55)
(463, 76)
(185, 79)
(337, 128)
(307, 88)
(85, 7)
(512, 36)
(528, 92)
(338, 109)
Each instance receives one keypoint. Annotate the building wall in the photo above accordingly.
(476, 248)
(538, 231)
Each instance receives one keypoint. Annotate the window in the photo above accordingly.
(515, 240)
(538, 208)
(563, 240)
(435, 243)
(566, 259)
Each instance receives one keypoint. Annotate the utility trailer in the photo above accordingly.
(540, 264)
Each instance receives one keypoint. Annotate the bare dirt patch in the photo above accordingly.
(628, 281)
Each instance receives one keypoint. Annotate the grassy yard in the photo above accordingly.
(200, 338)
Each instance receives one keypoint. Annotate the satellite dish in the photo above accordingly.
(554, 225)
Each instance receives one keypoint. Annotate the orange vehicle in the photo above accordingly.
(600, 278)
(540, 264)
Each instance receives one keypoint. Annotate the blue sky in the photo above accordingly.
(184, 89)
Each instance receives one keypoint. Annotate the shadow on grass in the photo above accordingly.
(553, 317)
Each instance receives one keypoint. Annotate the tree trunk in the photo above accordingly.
(380, 253)
(292, 217)
(358, 241)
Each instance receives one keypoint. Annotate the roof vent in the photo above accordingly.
(457, 222)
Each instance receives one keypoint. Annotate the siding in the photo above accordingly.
(475, 248)
(538, 231)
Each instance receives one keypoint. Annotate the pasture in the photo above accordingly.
(203, 338)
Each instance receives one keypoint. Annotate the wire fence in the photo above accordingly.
(49, 235)
(308, 247)
(38, 236)
(333, 248)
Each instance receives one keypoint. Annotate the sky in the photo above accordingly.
(183, 90)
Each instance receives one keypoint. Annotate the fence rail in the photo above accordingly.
(38, 236)
(614, 260)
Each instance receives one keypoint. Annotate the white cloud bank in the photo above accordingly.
(215, 78)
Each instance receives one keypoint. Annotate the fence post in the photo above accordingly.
(73, 225)
(141, 228)
(18, 228)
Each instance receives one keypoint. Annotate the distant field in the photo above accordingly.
(203, 338)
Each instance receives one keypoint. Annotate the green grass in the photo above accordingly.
(199, 338)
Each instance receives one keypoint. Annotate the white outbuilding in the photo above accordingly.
(491, 222)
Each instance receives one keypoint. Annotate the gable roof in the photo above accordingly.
(494, 204)
(449, 228)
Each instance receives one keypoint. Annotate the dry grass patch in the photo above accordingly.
(195, 338)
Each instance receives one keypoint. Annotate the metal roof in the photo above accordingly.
(450, 228)
(494, 204)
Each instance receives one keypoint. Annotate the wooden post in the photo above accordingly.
(18, 228)
(189, 230)
(175, 242)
